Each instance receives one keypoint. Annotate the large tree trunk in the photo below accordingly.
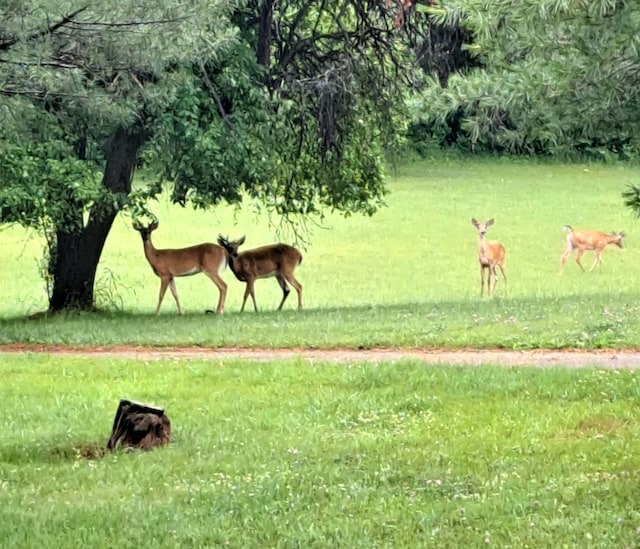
(77, 252)
(264, 33)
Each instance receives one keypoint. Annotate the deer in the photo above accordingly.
(279, 260)
(490, 255)
(207, 258)
(587, 239)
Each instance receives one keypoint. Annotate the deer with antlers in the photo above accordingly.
(490, 255)
(583, 240)
(168, 264)
(279, 260)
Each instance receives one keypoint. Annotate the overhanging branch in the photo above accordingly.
(67, 19)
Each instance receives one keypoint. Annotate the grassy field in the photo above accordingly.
(293, 454)
(407, 276)
(290, 454)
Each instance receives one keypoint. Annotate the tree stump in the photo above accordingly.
(139, 425)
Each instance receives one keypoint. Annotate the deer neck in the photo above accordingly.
(483, 251)
(482, 246)
(149, 250)
(231, 261)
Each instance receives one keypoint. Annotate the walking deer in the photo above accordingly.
(583, 240)
(204, 258)
(279, 260)
(490, 255)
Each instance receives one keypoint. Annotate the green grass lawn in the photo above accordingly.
(408, 276)
(290, 454)
(294, 454)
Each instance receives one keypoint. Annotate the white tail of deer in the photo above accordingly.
(490, 255)
(279, 260)
(583, 240)
(204, 258)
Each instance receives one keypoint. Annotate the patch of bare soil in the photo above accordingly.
(540, 358)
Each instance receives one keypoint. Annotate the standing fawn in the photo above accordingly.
(490, 255)
(584, 240)
(279, 260)
(204, 258)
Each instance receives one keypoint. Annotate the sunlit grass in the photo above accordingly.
(290, 454)
(406, 276)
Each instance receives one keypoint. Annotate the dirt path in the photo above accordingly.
(540, 358)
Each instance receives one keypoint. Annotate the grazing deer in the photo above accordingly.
(279, 260)
(490, 255)
(204, 258)
(584, 240)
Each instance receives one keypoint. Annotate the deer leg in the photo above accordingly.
(481, 280)
(285, 289)
(164, 282)
(578, 258)
(174, 291)
(222, 286)
(246, 295)
(504, 275)
(495, 278)
(596, 261)
(487, 278)
(490, 284)
(297, 286)
(249, 291)
(565, 256)
(253, 296)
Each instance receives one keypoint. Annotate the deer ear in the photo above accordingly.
(474, 222)
(154, 225)
(489, 223)
(241, 240)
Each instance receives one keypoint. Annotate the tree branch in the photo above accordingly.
(66, 19)
(215, 95)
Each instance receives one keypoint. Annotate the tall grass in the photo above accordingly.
(406, 276)
(289, 454)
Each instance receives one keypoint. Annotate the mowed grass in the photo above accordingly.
(292, 454)
(408, 276)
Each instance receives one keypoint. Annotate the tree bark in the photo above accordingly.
(77, 252)
(264, 33)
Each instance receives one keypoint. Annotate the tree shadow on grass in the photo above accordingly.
(596, 320)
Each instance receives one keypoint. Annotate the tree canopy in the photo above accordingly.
(557, 76)
(290, 102)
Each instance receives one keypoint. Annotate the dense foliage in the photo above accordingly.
(558, 77)
(288, 102)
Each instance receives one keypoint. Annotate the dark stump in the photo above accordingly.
(138, 425)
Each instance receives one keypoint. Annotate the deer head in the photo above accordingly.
(619, 236)
(145, 231)
(231, 246)
(482, 227)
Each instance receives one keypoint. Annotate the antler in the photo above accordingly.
(151, 227)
